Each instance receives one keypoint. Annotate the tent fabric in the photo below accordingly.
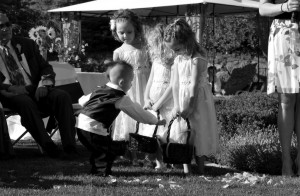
(160, 7)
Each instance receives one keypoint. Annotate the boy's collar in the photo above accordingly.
(114, 86)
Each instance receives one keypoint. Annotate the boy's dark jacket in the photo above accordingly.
(101, 106)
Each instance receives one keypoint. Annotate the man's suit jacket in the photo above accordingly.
(39, 68)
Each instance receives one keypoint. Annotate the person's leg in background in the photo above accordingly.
(297, 130)
(31, 119)
(6, 149)
(59, 104)
(286, 122)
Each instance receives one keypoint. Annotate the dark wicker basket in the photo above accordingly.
(175, 153)
(143, 143)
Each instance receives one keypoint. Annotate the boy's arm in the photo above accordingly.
(135, 111)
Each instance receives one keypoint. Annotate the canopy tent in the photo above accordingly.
(161, 7)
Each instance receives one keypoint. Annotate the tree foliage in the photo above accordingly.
(231, 33)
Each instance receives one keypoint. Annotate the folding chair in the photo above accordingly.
(74, 90)
(8, 113)
(65, 73)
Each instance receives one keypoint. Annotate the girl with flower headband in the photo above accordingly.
(192, 94)
(127, 28)
(158, 93)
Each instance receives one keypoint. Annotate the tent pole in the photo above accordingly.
(213, 81)
(257, 50)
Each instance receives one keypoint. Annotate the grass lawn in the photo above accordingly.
(34, 174)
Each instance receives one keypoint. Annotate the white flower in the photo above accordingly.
(51, 33)
(58, 39)
(33, 34)
(76, 58)
(112, 24)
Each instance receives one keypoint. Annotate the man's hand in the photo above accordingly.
(17, 90)
(7, 94)
(41, 92)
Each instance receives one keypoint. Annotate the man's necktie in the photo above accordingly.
(14, 71)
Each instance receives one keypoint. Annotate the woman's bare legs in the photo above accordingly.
(297, 130)
(286, 126)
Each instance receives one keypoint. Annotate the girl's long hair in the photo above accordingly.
(127, 15)
(156, 47)
(181, 32)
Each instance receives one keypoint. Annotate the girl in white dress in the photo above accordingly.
(126, 28)
(192, 94)
(158, 93)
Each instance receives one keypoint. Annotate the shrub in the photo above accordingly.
(240, 77)
(247, 111)
(257, 151)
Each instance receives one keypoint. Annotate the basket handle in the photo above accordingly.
(170, 124)
(155, 129)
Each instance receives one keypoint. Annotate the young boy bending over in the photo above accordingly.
(100, 109)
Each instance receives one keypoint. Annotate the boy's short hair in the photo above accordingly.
(127, 68)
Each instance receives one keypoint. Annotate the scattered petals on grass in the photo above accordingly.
(35, 174)
(11, 171)
(112, 180)
(175, 186)
(161, 186)
(245, 178)
(158, 179)
(270, 182)
(56, 187)
(205, 178)
(145, 181)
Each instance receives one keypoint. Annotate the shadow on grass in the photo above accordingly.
(33, 170)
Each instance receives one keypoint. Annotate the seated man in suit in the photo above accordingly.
(27, 87)
(6, 150)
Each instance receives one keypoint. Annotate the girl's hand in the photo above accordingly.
(155, 107)
(293, 5)
(175, 112)
(186, 113)
(148, 105)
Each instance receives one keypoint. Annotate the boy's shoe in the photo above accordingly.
(135, 163)
(94, 172)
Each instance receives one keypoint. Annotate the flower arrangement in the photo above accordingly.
(47, 37)
(76, 55)
(63, 41)
(43, 37)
